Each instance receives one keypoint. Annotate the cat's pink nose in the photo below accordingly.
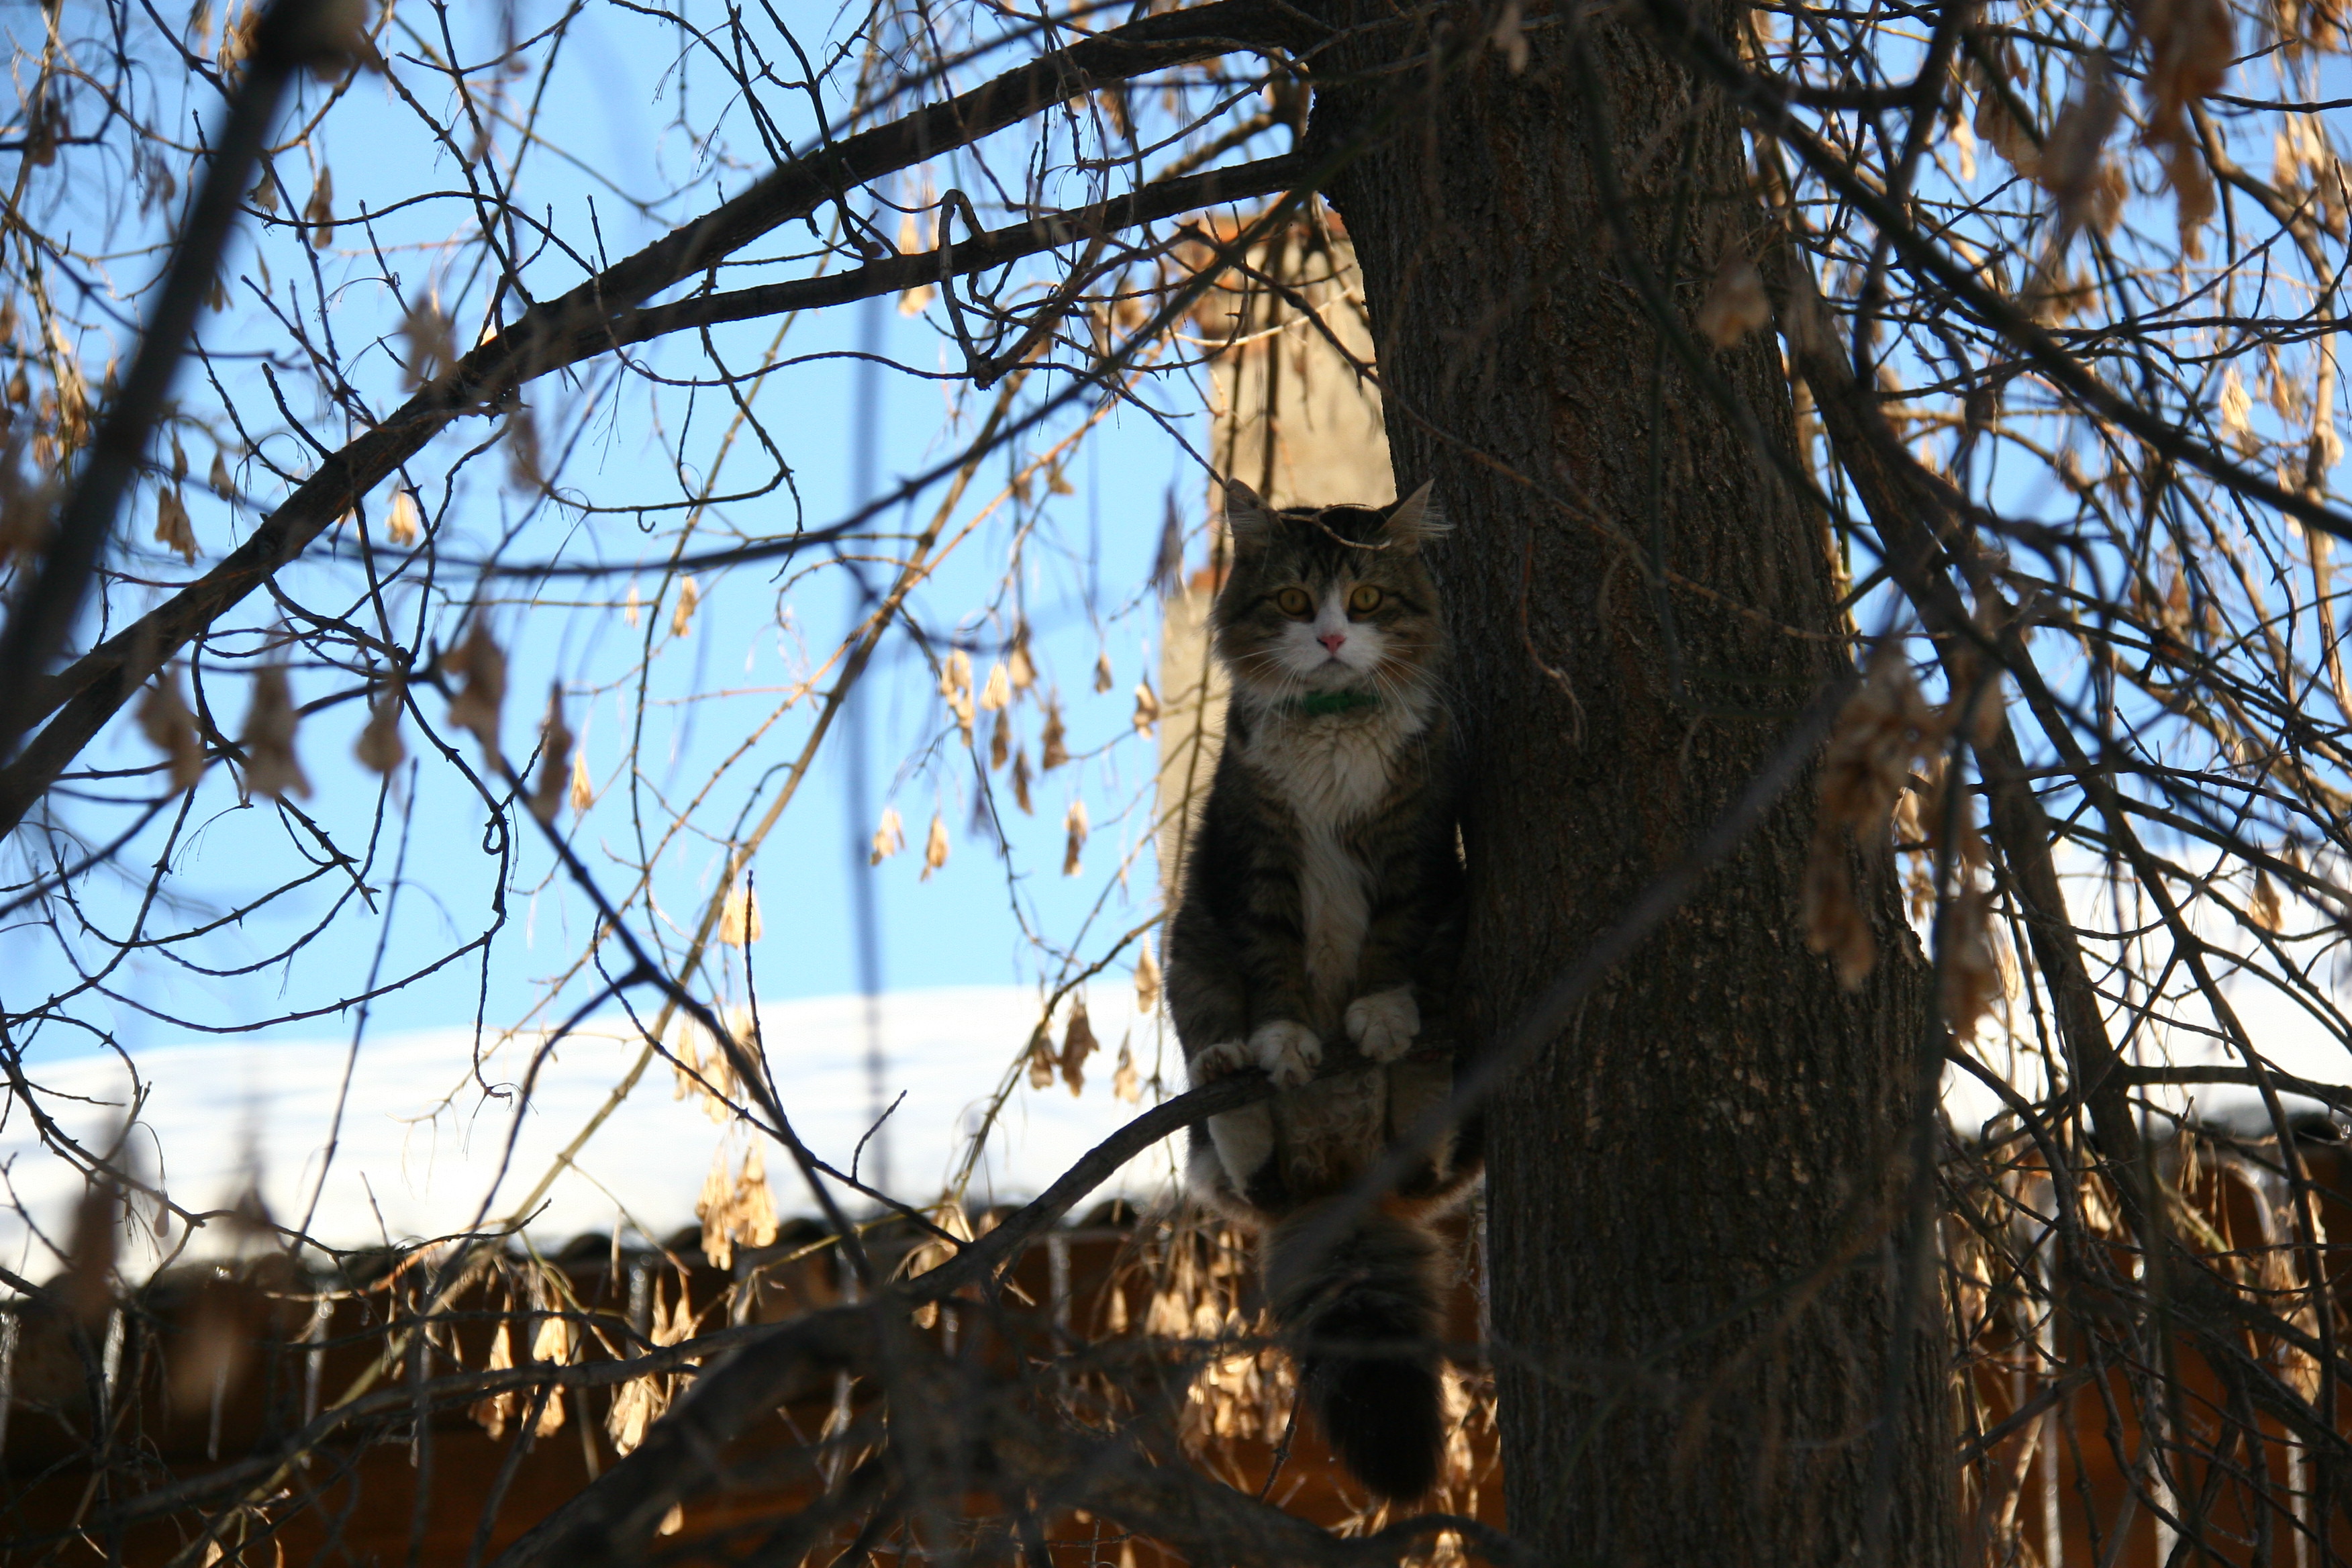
(1332, 640)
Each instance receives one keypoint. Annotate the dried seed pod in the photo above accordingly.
(272, 767)
(889, 838)
(1076, 822)
(1735, 304)
(1126, 1087)
(553, 1342)
(1052, 751)
(1017, 663)
(1146, 979)
(739, 916)
(1834, 923)
(2235, 405)
(710, 1208)
(935, 846)
(997, 694)
(172, 529)
(332, 36)
(2264, 904)
(583, 788)
(551, 1415)
(320, 212)
(1020, 782)
(737, 1210)
(380, 748)
(45, 127)
(1147, 709)
(1878, 733)
(401, 520)
(524, 470)
(555, 759)
(430, 339)
(2192, 190)
(1000, 741)
(1971, 973)
(637, 1404)
(484, 667)
(689, 596)
(955, 684)
(1104, 679)
(2189, 46)
(164, 719)
(755, 1205)
(2072, 156)
(1077, 1044)
(1999, 129)
(1510, 37)
(915, 301)
(491, 1411)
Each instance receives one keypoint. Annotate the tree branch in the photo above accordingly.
(45, 614)
(587, 320)
(995, 248)
(1707, 58)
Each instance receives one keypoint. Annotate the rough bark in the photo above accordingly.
(1696, 1194)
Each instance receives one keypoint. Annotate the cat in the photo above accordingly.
(1320, 912)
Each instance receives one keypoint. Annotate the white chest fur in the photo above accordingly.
(1332, 773)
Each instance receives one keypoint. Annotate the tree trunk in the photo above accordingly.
(1696, 1193)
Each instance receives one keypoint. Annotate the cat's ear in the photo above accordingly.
(1246, 518)
(1414, 520)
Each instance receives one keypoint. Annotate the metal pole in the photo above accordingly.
(864, 439)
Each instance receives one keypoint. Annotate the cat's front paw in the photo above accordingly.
(1288, 1052)
(1213, 1062)
(1384, 1024)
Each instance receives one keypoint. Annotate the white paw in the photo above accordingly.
(1288, 1052)
(1385, 1023)
(1213, 1062)
(1244, 1141)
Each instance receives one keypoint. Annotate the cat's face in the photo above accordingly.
(1329, 599)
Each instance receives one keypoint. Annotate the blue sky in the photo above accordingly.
(1086, 554)
(638, 174)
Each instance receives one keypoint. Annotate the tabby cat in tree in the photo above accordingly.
(1320, 915)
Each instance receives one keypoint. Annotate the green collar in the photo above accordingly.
(1316, 704)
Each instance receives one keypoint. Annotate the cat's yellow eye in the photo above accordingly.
(1364, 600)
(1294, 602)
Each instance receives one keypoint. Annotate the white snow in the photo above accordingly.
(421, 1142)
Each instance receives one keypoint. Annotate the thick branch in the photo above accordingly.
(1163, 199)
(588, 319)
(1708, 59)
(45, 614)
(629, 1501)
(1897, 504)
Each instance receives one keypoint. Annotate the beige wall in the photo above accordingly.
(1294, 421)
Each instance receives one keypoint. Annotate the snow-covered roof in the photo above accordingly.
(422, 1140)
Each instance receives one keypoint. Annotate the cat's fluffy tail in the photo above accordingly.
(1366, 1309)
